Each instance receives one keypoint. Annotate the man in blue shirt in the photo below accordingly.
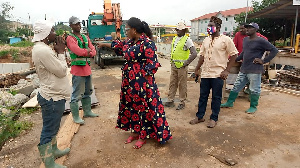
(252, 66)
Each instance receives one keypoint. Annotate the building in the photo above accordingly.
(14, 25)
(199, 25)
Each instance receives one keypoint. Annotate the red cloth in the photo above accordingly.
(72, 44)
(238, 40)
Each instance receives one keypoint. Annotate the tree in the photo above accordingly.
(4, 14)
(61, 28)
(273, 29)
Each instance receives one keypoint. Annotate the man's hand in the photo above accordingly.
(197, 73)
(89, 52)
(59, 45)
(224, 74)
(258, 61)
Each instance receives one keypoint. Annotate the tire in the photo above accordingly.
(101, 62)
(96, 56)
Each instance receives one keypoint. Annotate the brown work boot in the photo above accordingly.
(211, 123)
(196, 121)
(169, 104)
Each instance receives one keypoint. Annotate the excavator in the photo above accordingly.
(105, 27)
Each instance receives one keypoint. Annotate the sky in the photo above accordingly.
(165, 12)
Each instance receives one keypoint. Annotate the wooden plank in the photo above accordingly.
(65, 135)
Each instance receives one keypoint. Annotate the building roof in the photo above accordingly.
(280, 9)
(225, 13)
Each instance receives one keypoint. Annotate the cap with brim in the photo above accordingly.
(41, 30)
(74, 20)
(254, 25)
(180, 26)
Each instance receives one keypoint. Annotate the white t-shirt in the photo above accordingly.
(188, 44)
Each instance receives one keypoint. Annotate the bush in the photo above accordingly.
(4, 53)
(10, 127)
(23, 44)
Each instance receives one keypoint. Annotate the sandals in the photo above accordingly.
(196, 121)
(131, 138)
(139, 144)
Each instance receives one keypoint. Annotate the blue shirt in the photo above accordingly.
(255, 48)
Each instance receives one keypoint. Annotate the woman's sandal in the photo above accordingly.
(139, 144)
(130, 139)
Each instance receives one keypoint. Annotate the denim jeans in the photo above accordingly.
(216, 84)
(82, 87)
(52, 112)
(242, 79)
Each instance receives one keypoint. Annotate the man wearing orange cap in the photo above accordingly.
(182, 54)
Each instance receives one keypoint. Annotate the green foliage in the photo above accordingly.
(61, 28)
(13, 92)
(23, 44)
(14, 54)
(10, 127)
(4, 53)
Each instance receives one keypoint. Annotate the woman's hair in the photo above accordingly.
(140, 26)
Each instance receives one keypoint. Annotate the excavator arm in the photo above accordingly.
(112, 14)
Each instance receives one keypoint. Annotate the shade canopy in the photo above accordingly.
(280, 9)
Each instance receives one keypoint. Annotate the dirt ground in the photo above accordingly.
(267, 139)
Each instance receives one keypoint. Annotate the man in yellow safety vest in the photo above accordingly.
(182, 54)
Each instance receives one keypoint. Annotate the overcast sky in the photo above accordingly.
(151, 11)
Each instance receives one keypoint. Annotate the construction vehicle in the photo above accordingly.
(103, 28)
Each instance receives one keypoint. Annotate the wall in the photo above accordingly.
(164, 49)
(13, 67)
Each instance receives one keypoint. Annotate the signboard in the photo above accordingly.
(296, 2)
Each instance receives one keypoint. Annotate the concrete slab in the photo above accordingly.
(13, 67)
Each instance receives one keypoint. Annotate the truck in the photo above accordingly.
(103, 28)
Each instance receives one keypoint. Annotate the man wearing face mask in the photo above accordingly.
(183, 53)
(214, 58)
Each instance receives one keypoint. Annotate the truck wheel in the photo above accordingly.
(96, 56)
(101, 62)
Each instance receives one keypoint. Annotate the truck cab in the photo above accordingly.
(98, 32)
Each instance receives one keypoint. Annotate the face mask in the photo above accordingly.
(211, 29)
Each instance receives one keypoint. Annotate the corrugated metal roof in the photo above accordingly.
(280, 9)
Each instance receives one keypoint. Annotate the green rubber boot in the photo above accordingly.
(230, 100)
(56, 152)
(47, 156)
(75, 113)
(86, 106)
(253, 103)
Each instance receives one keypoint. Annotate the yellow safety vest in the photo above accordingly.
(178, 56)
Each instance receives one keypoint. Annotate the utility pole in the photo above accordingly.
(246, 12)
(29, 25)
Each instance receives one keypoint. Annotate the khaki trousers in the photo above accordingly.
(178, 79)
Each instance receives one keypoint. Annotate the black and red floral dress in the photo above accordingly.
(140, 108)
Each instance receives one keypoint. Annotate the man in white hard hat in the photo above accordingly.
(51, 67)
(182, 54)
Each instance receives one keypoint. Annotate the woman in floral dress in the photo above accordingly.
(140, 109)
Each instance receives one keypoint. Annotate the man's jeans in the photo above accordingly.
(242, 79)
(52, 112)
(82, 87)
(216, 84)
